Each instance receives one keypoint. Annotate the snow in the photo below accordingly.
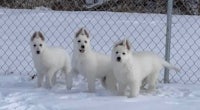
(145, 31)
(19, 93)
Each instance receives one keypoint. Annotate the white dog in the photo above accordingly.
(90, 64)
(48, 61)
(130, 69)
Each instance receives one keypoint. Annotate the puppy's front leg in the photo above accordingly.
(134, 89)
(40, 79)
(49, 77)
(91, 82)
(122, 89)
(110, 83)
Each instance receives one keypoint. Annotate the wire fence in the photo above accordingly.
(143, 22)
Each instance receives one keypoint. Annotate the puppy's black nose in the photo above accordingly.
(118, 58)
(38, 52)
(82, 46)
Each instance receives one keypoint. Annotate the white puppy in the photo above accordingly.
(91, 64)
(49, 60)
(130, 69)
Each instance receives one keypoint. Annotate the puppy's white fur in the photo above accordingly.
(130, 69)
(48, 61)
(90, 64)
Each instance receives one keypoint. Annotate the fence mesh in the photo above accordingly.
(143, 22)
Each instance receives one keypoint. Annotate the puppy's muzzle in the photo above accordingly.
(119, 59)
(38, 52)
(82, 50)
(82, 46)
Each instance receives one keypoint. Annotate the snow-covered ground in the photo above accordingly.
(20, 93)
(145, 31)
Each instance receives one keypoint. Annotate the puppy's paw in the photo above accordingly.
(91, 90)
(69, 88)
(48, 86)
(132, 95)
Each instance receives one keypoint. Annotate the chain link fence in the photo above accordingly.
(143, 22)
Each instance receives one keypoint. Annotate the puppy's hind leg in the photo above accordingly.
(144, 83)
(40, 79)
(68, 78)
(152, 81)
(54, 78)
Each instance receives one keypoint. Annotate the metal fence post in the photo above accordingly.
(168, 38)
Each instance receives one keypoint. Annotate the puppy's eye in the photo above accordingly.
(116, 52)
(79, 41)
(34, 45)
(123, 53)
(40, 45)
(85, 41)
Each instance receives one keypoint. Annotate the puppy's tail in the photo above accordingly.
(169, 66)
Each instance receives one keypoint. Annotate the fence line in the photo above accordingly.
(173, 34)
(168, 38)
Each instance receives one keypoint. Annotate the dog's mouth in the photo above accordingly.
(81, 50)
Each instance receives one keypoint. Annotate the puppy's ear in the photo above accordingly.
(86, 33)
(82, 31)
(127, 44)
(33, 36)
(119, 43)
(41, 36)
(78, 33)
